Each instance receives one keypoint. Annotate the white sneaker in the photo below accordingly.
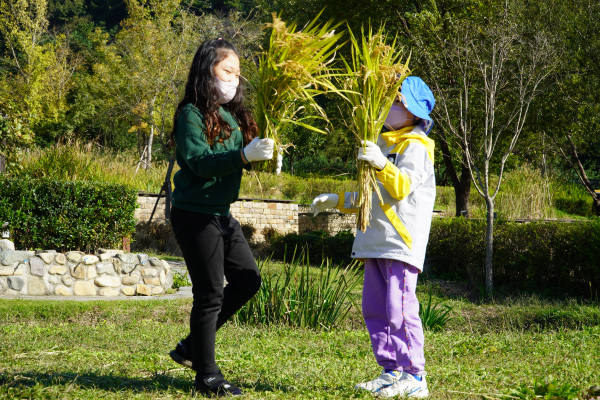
(407, 385)
(382, 381)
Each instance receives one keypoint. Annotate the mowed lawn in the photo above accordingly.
(119, 350)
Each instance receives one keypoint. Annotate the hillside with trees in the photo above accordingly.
(514, 81)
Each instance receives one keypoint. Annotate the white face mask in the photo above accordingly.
(397, 117)
(226, 90)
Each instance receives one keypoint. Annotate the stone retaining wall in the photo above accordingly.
(146, 202)
(329, 221)
(107, 273)
(283, 216)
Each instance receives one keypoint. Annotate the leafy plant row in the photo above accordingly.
(543, 257)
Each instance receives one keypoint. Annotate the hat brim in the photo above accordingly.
(413, 106)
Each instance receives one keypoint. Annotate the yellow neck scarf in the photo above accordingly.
(395, 137)
(399, 136)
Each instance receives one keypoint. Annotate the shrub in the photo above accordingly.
(52, 214)
(180, 280)
(539, 257)
(572, 198)
(548, 257)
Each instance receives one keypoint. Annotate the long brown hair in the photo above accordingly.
(200, 91)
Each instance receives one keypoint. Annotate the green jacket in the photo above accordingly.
(210, 176)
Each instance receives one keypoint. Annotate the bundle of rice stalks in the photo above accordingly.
(292, 72)
(374, 75)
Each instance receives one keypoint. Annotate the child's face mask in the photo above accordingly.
(226, 89)
(397, 117)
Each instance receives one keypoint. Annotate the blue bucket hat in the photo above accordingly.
(417, 97)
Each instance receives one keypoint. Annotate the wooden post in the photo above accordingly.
(126, 245)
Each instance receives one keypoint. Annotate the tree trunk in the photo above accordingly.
(489, 247)
(150, 137)
(462, 186)
(148, 156)
(596, 205)
(463, 191)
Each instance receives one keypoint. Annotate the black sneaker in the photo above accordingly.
(214, 385)
(181, 356)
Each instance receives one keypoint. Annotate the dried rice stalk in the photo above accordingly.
(292, 72)
(374, 75)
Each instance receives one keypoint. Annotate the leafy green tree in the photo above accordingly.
(486, 67)
(140, 73)
(67, 13)
(35, 72)
(570, 112)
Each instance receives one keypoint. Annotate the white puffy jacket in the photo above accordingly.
(399, 228)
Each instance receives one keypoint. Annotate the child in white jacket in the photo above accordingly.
(393, 246)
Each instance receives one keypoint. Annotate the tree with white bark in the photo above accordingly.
(511, 66)
(485, 75)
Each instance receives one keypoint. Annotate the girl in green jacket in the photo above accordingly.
(215, 137)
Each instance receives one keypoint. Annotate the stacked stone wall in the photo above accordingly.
(107, 273)
(146, 204)
(329, 221)
(282, 216)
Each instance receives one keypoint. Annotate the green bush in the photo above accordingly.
(52, 214)
(552, 258)
(579, 206)
(544, 257)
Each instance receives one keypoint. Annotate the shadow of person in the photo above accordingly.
(28, 383)
(56, 384)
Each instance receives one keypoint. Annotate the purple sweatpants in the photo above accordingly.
(391, 312)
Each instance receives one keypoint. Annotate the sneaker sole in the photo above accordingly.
(374, 391)
(419, 394)
(180, 360)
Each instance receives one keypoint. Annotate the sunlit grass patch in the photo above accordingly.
(123, 354)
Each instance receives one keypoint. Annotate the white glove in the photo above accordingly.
(279, 159)
(323, 202)
(372, 153)
(259, 149)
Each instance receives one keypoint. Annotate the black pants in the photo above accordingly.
(213, 246)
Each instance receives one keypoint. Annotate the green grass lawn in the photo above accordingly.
(119, 350)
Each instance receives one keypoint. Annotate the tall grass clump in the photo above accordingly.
(292, 71)
(295, 298)
(435, 316)
(527, 194)
(374, 75)
(79, 162)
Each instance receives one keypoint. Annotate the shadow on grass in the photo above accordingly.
(89, 380)
(263, 386)
(36, 384)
